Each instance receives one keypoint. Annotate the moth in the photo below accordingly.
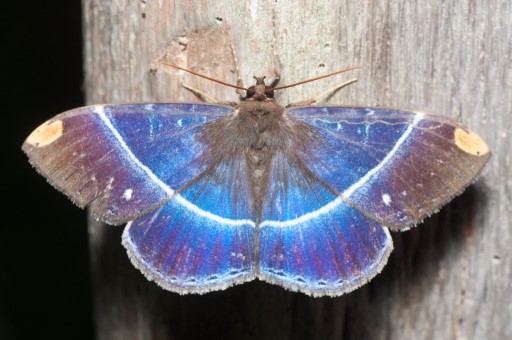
(217, 195)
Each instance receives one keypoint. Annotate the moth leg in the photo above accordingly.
(277, 78)
(239, 81)
(200, 94)
(240, 92)
(203, 96)
(327, 93)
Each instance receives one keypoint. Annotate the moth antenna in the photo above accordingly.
(206, 77)
(316, 78)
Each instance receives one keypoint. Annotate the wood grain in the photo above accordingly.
(448, 278)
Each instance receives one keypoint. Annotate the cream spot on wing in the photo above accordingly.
(127, 195)
(386, 199)
(470, 142)
(45, 134)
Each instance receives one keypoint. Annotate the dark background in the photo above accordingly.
(44, 283)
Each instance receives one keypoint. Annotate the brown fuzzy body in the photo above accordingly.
(253, 136)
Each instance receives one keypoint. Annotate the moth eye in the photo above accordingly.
(251, 91)
(269, 92)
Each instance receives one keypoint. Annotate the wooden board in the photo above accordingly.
(448, 278)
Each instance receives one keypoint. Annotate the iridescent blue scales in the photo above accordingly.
(313, 218)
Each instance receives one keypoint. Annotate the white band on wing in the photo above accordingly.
(348, 192)
(222, 220)
(179, 199)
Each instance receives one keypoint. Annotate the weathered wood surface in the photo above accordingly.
(449, 278)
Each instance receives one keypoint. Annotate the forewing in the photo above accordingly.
(129, 159)
(396, 167)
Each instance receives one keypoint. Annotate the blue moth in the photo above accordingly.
(217, 195)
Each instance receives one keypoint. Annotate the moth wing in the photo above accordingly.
(312, 241)
(127, 159)
(397, 167)
(353, 172)
(130, 160)
(203, 239)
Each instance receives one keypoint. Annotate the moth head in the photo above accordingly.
(260, 91)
